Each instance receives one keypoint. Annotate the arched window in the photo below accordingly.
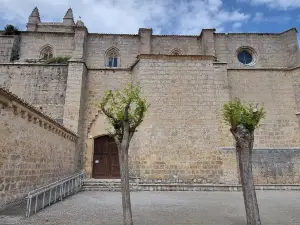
(176, 51)
(46, 53)
(112, 57)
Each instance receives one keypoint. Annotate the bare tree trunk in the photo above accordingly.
(244, 145)
(126, 202)
(124, 170)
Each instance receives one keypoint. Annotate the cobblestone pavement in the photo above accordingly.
(169, 208)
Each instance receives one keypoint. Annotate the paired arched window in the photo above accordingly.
(176, 51)
(46, 53)
(112, 57)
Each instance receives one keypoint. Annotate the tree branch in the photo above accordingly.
(126, 111)
(139, 121)
(235, 135)
(109, 115)
(117, 140)
(131, 135)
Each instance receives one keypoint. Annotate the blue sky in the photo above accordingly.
(164, 16)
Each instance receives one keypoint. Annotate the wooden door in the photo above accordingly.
(106, 159)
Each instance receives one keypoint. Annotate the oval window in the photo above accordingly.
(245, 57)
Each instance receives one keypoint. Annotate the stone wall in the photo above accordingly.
(183, 138)
(274, 90)
(180, 137)
(175, 133)
(9, 46)
(271, 50)
(74, 95)
(98, 81)
(32, 43)
(276, 156)
(290, 48)
(276, 166)
(273, 165)
(189, 45)
(296, 84)
(35, 150)
(43, 86)
(98, 44)
(54, 27)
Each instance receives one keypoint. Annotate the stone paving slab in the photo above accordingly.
(169, 208)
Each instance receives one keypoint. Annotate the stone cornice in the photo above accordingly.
(174, 57)
(295, 68)
(71, 34)
(134, 64)
(33, 64)
(111, 69)
(176, 35)
(259, 34)
(72, 60)
(8, 36)
(26, 111)
(265, 69)
(109, 34)
(158, 35)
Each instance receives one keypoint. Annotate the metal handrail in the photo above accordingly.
(53, 183)
(50, 193)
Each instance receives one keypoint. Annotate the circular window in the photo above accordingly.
(245, 57)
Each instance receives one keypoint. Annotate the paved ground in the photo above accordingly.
(169, 208)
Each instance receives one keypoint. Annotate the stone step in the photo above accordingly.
(106, 189)
(104, 185)
(101, 184)
(103, 180)
(87, 188)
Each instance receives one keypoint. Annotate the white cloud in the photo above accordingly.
(126, 16)
(279, 4)
(237, 25)
(259, 17)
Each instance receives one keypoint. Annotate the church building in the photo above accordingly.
(63, 70)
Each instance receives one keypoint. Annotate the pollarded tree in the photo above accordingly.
(243, 120)
(125, 110)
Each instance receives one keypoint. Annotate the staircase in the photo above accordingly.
(105, 185)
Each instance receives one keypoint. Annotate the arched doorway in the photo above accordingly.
(106, 159)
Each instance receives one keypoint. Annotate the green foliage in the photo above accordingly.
(236, 113)
(11, 30)
(59, 59)
(115, 103)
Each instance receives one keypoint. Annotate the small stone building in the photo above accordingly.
(185, 78)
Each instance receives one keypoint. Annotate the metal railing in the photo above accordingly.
(51, 193)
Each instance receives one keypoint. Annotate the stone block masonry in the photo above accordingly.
(35, 150)
(277, 92)
(179, 138)
(98, 81)
(74, 95)
(42, 85)
(273, 165)
(9, 45)
(186, 79)
(32, 43)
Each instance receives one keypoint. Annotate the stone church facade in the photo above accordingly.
(186, 80)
